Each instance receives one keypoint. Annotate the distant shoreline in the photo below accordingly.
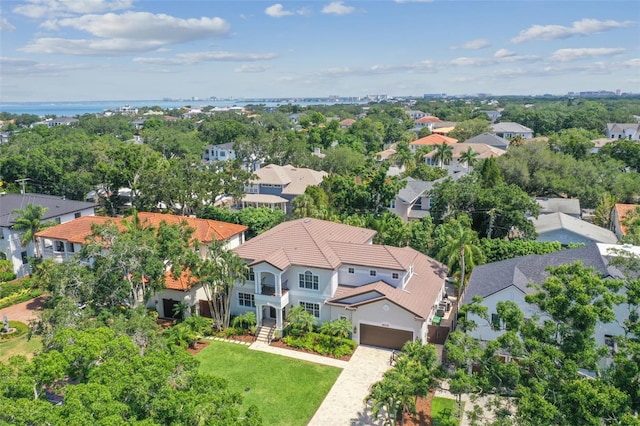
(73, 108)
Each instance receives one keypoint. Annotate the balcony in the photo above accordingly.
(269, 297)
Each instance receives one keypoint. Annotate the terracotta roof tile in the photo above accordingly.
(428, 119)
(622, 210)
(434, 139)
(77, 230)
(183, 283)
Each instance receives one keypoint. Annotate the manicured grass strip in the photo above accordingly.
(286, 391)
(19, 346)
(444, 410)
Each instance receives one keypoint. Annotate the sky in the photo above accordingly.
(68, 50)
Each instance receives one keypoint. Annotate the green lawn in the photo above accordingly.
(19, 346)
(286, 391)
(443, 409)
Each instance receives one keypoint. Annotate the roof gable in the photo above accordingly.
(55, 206)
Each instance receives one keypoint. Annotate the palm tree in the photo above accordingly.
(30, 223)
(469, 157)
(459, 249)
(443, 154)
(403, 156)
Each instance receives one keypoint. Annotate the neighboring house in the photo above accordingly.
(391, 295)
(491, 140)
(493, 115)
(221, 152)
(63, 242)
(483, 152)
(509, 130)
(568, 206)
(347, 123)
(58, 210)
(59, 121)
(428, 121)
(4, 137)
(415, 114)
(276, 186)
(623, 131)
(431, 141)
(570, 230)
(412, 202)
(509, 280)
(618, 215)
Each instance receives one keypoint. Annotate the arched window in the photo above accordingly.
(308, 280)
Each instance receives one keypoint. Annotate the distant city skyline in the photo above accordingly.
(71, 50)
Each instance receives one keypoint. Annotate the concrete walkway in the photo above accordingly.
(263, 347)
(344, 404)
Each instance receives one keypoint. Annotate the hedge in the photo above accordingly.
(19, 297)
(322, 344)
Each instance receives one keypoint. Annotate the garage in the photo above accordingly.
(384, 337)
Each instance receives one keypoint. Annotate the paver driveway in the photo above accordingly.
(344, 404)
(24, 311)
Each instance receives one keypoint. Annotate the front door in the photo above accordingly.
(272, 312)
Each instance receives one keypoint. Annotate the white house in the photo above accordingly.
(509, 130)
(58, 210)
(391, 295)
(623, 131)
(509, 280)
(221, 152)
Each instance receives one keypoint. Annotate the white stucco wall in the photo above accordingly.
(362, 275)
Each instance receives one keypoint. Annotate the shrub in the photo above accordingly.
(19, 297)
(201, 325)
(244, 321)
(321, 344)
(11, 287)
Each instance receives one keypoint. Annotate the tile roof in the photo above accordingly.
(418, 296)
(622, 210)
(294, 179)
(302, 242)
(427, 119)
(263, 198)
(182, 283)
(434, 139)
(560, 221)
(483, 150)
(493, 277)
(347, 122)
(205, 230)
(509, 127)
(55, 206)
(489, 139)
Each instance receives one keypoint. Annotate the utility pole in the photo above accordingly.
(492, 217)
(23, 181)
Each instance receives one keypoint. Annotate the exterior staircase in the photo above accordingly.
(265, 333)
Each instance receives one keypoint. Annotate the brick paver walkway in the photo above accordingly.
(24, 311)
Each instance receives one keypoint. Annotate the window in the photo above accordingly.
(246, 299)
(57, 220)
(23, 255)
(393, 204)
(495, 321)
(308, 281)
(59, 246)
(312, 308)
(71, 248)
(351, 270)
(611, 343)
(395, 275)
(373, 273)
(223, 154)
(251, 275)
(77, 215)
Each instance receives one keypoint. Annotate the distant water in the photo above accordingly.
(91, 107)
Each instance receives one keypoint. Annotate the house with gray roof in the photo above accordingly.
(391, 295)
(570, 230)
(509, 130)
(623, 131)
(569, 206)
(511, 279)
(412, 202)
(58, 210)
(491, 140)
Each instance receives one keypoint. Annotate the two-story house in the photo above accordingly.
(510, 280)
(57, 210)
(391, 295)
(276, 186)
(221, 152)
(431, 141)
(64, 241)
(623, 131)
(509, 130)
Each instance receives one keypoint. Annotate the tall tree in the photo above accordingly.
(443, 154)
(30, 223)
(469, 157)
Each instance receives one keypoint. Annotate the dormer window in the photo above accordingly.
(373, 273)
(351, 270)
(395, 275)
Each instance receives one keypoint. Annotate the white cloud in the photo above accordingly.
(130, 32)
(579, 28)
(6, 25)
(23, 67)
(503, 53)
(41, 8)
(277, 11)
(632, 63)
(199, 57)
(564, 55)
(477, 44)
(338, 8)
(245, 68)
